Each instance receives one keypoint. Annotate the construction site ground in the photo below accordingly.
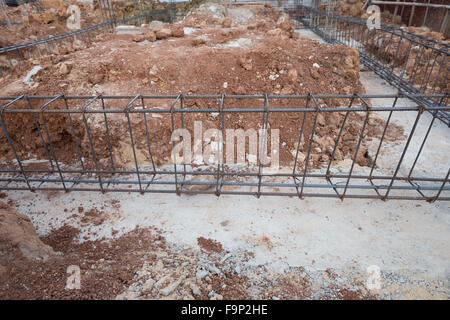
(163, 246)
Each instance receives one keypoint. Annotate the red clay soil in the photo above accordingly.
(35, 22)
(261, 57)
(418, 64)
(107, 267)
(209, 244)
(48, 20)
(354, 9)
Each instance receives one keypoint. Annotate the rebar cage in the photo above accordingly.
(73, 143)
(412, 63)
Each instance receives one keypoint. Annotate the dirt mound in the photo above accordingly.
(17, 230)
(349, 8)
(209, 244)
(48, 19)
(213, 60)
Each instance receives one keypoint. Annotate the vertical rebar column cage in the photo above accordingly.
(129, 144)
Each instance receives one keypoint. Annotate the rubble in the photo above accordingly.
(198, 41)
(249, 63)
(414, 62)
(250, 50)
(29, 77)
(129, 30)
(354, 9)
(156, 25)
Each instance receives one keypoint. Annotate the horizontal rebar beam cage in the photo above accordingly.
(412, 63)
(115, 143)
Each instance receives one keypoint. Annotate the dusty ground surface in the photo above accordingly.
(197, 247)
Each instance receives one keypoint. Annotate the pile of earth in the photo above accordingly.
(262, 56)
(354, 9)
